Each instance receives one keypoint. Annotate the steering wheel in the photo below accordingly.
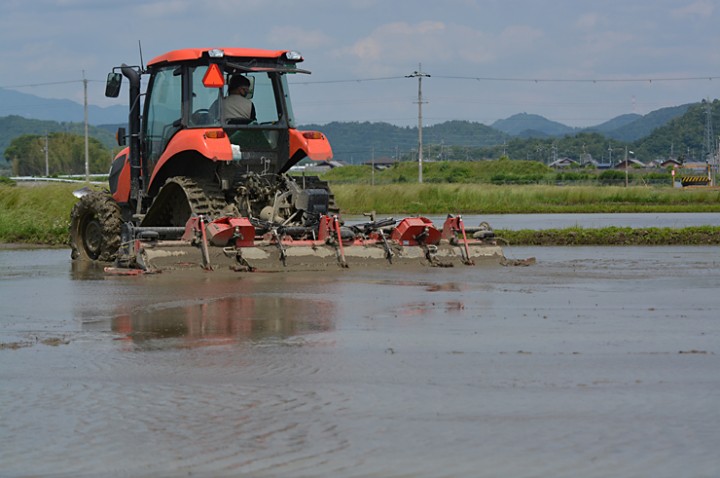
(201, 116)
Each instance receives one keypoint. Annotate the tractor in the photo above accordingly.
(205, 167)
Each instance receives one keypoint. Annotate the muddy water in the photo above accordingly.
(594, 362)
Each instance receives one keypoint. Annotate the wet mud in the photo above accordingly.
(588, 361)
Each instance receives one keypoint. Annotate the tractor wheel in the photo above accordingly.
(95, 224)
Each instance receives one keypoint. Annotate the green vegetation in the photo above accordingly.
(614, 236)
(39, 214)
(13, 126)
(66, 155)
(492, 199)
(36, 214)
(676, 130)
(502, 171)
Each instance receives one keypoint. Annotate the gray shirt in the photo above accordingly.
(237, 106)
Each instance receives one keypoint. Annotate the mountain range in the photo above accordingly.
(353, 142)
(627, 127)
(15, 103)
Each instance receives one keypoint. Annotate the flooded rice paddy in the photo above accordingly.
(593, 362)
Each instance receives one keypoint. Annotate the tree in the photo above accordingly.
(66, 155)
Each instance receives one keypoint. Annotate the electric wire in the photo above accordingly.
(524, 80)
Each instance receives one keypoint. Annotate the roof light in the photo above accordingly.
(293, 55)
(216, 53)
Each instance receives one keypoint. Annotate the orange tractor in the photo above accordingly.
(205, 179)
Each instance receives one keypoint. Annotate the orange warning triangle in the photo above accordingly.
(213, 77)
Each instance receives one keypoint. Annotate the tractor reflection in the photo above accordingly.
(225, 321)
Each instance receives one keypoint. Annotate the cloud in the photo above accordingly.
(397, 45)
(702, 8)
(588, 21)
(517, 38)
(163, 8)
(299, 38)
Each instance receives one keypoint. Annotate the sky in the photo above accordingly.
(574, 61)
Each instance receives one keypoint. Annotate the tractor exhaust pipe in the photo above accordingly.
(134, 125)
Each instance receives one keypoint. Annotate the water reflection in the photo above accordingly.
(86, 270)
(226, 320)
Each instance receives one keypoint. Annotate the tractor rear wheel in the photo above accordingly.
(95, 223)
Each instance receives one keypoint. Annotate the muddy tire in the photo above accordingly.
(95, 223)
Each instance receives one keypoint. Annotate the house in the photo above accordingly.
(669, 163)
(629, 163)
(381, 163)
(322, 166)
(564, 163)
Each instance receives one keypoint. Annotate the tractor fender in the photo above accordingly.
(211, 143)
(119, 177)
(313, 144)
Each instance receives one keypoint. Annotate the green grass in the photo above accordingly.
(527, 199)
(500, 172)
(36, 214)
(40, 214)
(614, 236)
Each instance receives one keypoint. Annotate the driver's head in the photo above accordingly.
(239, 84)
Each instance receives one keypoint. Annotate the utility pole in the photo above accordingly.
(708, 146)
(626, 167)
(419, 75)
(47, 157)
(87, 149)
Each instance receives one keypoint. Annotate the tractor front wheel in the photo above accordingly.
(95, 223)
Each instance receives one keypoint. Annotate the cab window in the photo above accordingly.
(164, 110)
(203, 100)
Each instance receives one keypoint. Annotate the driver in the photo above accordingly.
(236, 105)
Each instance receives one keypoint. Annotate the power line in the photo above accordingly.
(580, 80)
(32, 85)
(524, 80)
(447, 77)
(355, 80)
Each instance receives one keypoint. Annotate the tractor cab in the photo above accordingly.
(185, 128)
(195, 95)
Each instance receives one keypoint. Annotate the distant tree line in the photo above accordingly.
(682, 138)
(65, 155)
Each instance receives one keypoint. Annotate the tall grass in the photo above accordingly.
(492, 199)
(40, 214)
(36, 214)
(614, 236)
(499, 171)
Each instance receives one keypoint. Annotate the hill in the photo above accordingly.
(683, 136)
(356, 142)
(627, 127)
(531, 125)
(645, 125)
(679, 129)
(614, 124)
(15, 103)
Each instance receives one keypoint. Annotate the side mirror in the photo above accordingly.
(112, 86)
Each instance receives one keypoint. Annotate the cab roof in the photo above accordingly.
(189, 54)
